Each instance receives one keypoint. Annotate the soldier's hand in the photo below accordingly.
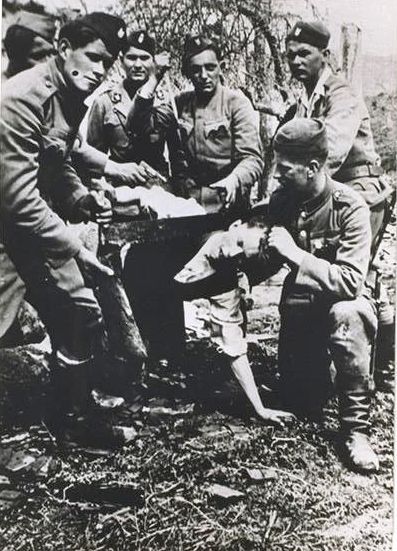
(276, 417)
(129, 174)
(229, 187)
(102, 212)
(162, 64)
(282, 241)
(90, 265)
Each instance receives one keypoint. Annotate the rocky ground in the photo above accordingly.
(202, 472)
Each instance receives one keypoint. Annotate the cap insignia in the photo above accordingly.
(141, 38)
(121, 32)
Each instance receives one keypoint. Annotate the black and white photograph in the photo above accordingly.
(198, 275)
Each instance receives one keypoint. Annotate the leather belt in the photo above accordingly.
(347, 174)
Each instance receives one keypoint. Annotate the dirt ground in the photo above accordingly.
(289, 489)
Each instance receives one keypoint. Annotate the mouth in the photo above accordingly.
(93, 82)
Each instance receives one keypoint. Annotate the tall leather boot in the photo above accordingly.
(384, 360)
(354, 420)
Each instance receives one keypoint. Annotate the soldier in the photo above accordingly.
(220, 137)
(321, 229)
(325, 239)
(42, 109)
(28, 41)
(352, 157)
(107, 125)
(218, 128)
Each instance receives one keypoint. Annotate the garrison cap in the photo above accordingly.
(195, 44)
(310, 32)
(109, 28)
(142, 40)
(301, 137)
(42, 25)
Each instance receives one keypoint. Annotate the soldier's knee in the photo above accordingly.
(344, 313)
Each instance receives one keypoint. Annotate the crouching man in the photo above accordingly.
(321, 230)
(323, 233)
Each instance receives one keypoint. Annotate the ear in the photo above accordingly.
(312, 168)
(64, 47)
(326, 53)
(223, 64)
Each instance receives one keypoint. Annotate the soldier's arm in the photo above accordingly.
(342, 279)
(144, 118)
(21, 202)
(342, 121)
(96, 135)
(246, 147)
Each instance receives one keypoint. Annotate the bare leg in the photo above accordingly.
(243, 373)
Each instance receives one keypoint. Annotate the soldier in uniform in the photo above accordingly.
(321, 229)
(220, 137)
(107, 125)
(28, 41)
(352, 157)
(327, 312)
(42, 109)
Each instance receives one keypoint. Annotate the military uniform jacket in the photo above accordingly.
(218, 139)
(346, 119)
(39, 123)
(108, 131)
(334, 230)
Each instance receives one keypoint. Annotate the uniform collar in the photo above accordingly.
(319, 91)
(314, 204)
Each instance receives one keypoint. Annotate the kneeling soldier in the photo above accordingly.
(323, 233)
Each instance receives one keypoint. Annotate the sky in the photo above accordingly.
(376, 18)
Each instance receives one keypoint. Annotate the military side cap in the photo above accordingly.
(42, 25)
(195, 44)
(300, 137)
(109, 28)
(142, 40)
(310, 32)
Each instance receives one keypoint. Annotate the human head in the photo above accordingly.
(301, 151)
(137, 56)
(28, 41)
(201, 63)
(307, 51)
(88, 46)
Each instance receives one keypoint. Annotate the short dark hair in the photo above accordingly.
(78, 34)
(18, 42)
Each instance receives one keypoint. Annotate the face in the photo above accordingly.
(86, 67)
(41, 51)
(305, 61)
(204, 71)
(294, 175)
(137, 64)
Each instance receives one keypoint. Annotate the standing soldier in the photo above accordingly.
(220, 137)
(352, 157)
(28, 41)
(42, 109)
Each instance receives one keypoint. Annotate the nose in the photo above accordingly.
(203, 72)
(99, 70)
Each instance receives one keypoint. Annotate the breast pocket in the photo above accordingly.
(217, 131)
